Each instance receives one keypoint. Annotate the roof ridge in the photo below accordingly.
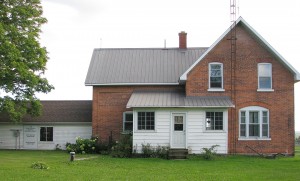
(157, 48)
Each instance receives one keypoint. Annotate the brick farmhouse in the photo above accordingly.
(193, 98)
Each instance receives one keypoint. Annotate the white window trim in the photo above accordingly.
(124, 117)
(225, 118)
(135, 121)
(260, 110)
(221, 89)
(264, 89)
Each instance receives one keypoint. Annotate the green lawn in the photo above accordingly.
(15, 165)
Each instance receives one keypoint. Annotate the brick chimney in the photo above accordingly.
(182, 40)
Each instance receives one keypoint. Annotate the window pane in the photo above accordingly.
(49, 133)
(243, 130)
(128, 126)
(243, 117)
(178, 127)
(254, 130)
(253, 117)
(265, 117)
(43, 134)
(128, 117)
(178, 119)
(265, 130)
(264, 70)
(215, 66)
(265, 82)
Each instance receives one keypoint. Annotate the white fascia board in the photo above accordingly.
(183, 77)
(285, 62)
(118, 84)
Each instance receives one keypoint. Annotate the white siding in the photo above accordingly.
(196, 135)
(61, 135)
(199, 138)
(159, 137)
(7, 138)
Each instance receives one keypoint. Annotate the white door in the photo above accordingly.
(178, 130)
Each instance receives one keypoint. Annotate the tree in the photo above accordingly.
(22, 59)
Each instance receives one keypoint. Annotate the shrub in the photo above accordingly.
(39, 165)
(123, 148)
(209, 153)
(154, 152)
(84, 146)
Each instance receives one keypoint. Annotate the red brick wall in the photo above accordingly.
(109, 103)
(280, 102)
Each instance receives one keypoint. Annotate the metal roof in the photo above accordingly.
(175, 99)
(59, 112)
(137, 66)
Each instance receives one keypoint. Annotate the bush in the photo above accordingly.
(39, 165)
(123, 148)
(209, 153)
(84, 146)
(154, 152)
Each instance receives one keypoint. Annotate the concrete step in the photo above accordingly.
(178, 153)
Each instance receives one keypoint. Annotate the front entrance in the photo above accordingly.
(178, 130)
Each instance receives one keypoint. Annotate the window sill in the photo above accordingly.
(216, 90)
(254, 139)
(144, 131)
(265, 90)
(214, 131)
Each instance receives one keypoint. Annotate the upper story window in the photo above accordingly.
(146, 121)
(264, 76)
(215, 76)
(254, 122)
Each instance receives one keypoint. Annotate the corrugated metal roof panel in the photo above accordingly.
(140, 65)
(175, 99)
(59, 111)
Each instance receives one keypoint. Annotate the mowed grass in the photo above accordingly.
(15, 165)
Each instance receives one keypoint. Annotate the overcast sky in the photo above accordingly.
(76, 27)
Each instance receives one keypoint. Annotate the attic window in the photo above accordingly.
(216, 76)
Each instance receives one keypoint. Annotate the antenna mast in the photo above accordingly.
(233, 69)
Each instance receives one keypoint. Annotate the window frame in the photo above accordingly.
(260, 111)
(46, 135)
(223, 121)
(137, 121)
(259, 89)
(209, 77)
(124, 121)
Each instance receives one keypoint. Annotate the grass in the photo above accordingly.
(16, 165)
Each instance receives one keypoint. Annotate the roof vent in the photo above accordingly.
(182, 40)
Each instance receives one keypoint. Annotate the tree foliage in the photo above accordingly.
(22, 59)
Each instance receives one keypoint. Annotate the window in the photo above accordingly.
(178, 123)
(46, 134)
(146, 121)
(254, 122)
(127, 121)
(215, 75)
(264, 76)
(214, 121)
